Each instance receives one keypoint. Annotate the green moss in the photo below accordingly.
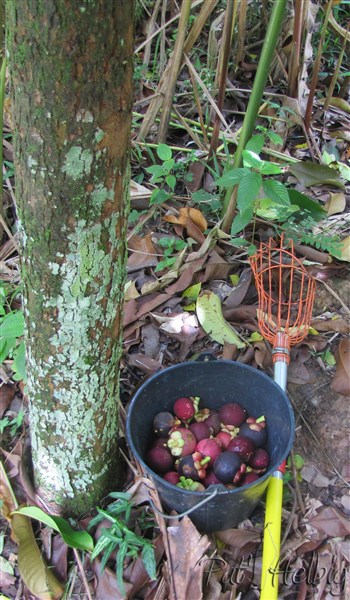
(77, 162)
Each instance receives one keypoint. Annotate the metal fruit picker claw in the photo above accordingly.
(286, 294)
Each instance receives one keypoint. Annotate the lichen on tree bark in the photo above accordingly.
(71, 84)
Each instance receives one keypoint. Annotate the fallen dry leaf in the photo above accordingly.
(238, 293)
(331, 521)
(7, 393)
(187, 548)
(336, 203)
(145, 363)
(150, 339)
(134, 309)
(142, 253)
(341, 380)
(186, 213)
(338, 324)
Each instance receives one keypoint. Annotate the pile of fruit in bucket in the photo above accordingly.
(197, 447)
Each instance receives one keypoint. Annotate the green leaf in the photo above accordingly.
(310, 174)
(158, 196)
(274, 137)
(74, 539)
(156, 171)
(149, 560)
(232, 177)
(269, 168)
(121, 555)
(276, 191)
(6, 346)
(12, 325)
(192, 292)
(209, 313)
(242, 220)
(248, 190)
(164, 152)
(256, 143)
(251, 159)
(19, 363)
(168, 165)
(171, 181)
(306, 203)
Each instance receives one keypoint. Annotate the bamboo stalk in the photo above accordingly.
(2, 97)
(150, 29)
(155, 105)
(310, 100)
(230, 16)
(294, 64)
(335, 74)
(241, 47)
(176, 60)
(267, 52)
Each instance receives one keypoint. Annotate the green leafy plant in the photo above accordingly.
(13, 424)
(170, 246)
(298, 463)
(11, 332)
(166, 174)
(118, 537)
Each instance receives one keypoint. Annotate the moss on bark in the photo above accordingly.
(71, 73)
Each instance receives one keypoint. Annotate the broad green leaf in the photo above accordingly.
(306, 203)
(232, 177)
(74, 539)
(256, 337)
(344, 171)
(12, 325)
(192, 292)
(310, 174)
(271, 210)
(36, 575)
(164, 152)
(168, 165)
(159, 196)
(276, 191)
(248, 190)
(6, 346)
(149, 560)
(209, 313)
(242, 220)
(256, 143)
(274, 137)
(19, 363)
(156, 171)
(269, 168)
(171, 181)
(251, 159)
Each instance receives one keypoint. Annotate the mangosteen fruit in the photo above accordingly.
(200, 430)
(172, 477)
(254, 430)
(243, 446)
(226, 466)
(185, 408)
(211, 479)
(209, 447)
(163, 423)
(224, 438)
(232, 414)
(213, 422)
(159, 460)
(249, 478)
(260, 460)
(181, 442)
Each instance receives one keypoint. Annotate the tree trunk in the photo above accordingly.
(71, 69)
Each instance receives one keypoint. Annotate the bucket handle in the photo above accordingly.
(187, 512)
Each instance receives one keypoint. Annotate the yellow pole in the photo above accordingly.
(272, 537)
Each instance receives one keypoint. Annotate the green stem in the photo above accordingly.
(262, 72)
(2, 98)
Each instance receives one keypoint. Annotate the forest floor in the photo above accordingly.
(178, 253)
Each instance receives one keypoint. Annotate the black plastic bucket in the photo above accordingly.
(216, 382)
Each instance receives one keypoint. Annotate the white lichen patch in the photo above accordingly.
(85, 116)
(99, 135)
(83, 377)
(100, 194)
(77, 162)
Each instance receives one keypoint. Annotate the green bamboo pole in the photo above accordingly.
(2, 98)
(271, 37)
